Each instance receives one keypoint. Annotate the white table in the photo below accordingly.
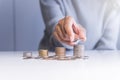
(101, 65)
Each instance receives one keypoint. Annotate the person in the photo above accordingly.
(68, 22)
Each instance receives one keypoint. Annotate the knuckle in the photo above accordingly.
(69, 18)
(56, 28)
(60, 21)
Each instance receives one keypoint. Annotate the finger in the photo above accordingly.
(75, 28)
(60, 40)
(61, 24)
(76, 37)
(80, 31)
(61, 34)
(62, 27)
(82, 37)
(68, 28)
(56, 36)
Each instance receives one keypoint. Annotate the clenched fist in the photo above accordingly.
(67, 31)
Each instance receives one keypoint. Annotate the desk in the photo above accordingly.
(101, 65)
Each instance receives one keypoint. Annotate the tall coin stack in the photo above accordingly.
(43, 53)
(60, 52)
(78, 51)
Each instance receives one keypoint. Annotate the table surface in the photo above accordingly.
(101, 65)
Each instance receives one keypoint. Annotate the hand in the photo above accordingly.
(67, 31)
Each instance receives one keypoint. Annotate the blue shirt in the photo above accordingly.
(100, 18)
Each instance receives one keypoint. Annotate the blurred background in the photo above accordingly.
(21, 25)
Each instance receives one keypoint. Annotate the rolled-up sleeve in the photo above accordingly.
(52, 11)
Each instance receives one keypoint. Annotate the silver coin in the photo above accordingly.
(78, 51)
(27, 55)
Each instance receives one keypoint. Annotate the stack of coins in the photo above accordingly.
(78, 51)
(27, 55)
(60, 52)
(43, 53)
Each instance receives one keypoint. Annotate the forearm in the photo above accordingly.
(52, 13)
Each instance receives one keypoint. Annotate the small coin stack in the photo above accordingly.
(27, 55)
(60, 52)
(43, 53)
(78, 51)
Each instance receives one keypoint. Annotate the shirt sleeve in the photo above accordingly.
(52, 11)
(111, 25)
